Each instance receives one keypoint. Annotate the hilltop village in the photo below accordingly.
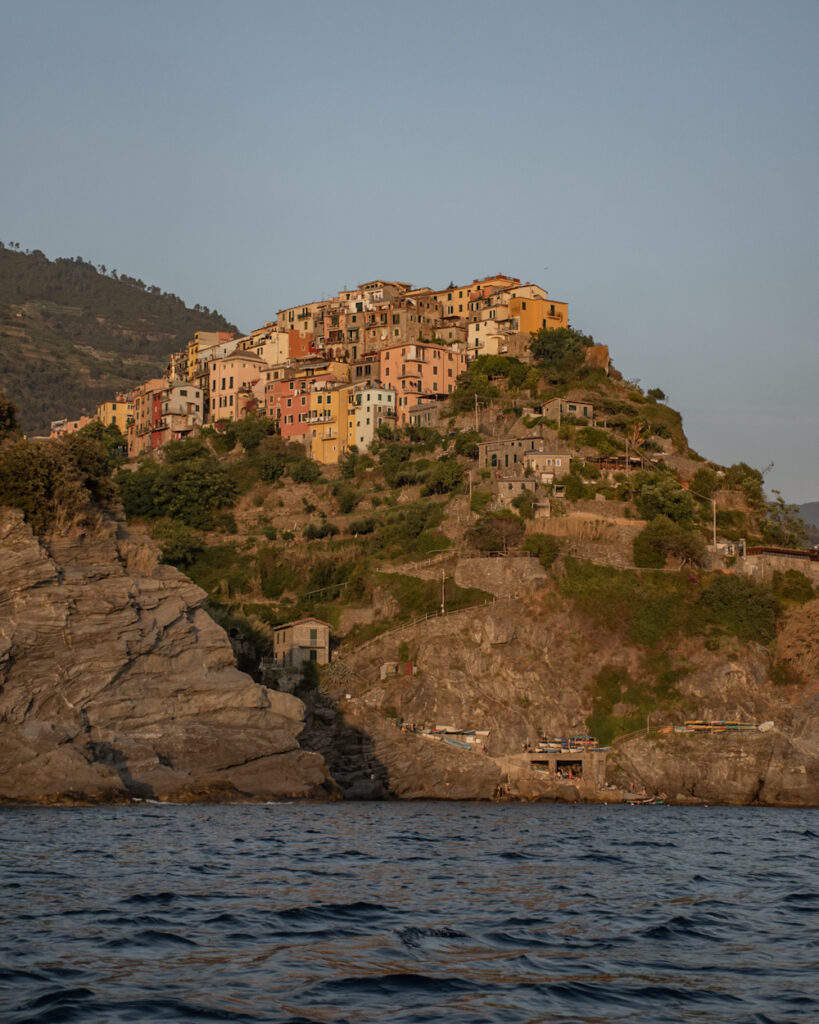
(457, 554)
(329, 373)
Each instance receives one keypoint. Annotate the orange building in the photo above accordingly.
(420, 369)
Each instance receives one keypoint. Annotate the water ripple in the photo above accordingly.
(409, 913)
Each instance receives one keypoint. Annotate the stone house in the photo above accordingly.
(559, 408)
(549, 465)
(518, 452)
(509, 487)
(307, 639)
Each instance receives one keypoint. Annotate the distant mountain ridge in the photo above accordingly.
(810, 513)
(72, 335)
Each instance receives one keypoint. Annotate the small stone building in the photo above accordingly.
(307, 639)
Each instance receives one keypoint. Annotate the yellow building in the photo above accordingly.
(328, 422)
(202, 341)
(535, 312)
(116, 412)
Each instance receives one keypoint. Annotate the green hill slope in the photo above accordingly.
(71, 335)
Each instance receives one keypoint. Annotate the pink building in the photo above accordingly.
(420, 369)
(231, 380)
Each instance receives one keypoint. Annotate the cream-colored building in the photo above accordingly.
(295, 643)
(232, 376)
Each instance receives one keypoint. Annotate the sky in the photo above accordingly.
(652, 163)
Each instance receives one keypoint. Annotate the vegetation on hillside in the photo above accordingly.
(73, 335)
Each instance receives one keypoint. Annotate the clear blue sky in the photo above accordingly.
(655, 164)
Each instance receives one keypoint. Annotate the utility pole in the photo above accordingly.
(443, 592)
(469, 509)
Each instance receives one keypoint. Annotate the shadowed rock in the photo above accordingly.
(115, 683)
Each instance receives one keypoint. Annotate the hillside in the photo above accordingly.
(72, 335)
(603, 615)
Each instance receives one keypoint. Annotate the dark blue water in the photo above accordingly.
(408, 913)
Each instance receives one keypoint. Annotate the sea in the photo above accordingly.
(408, 912)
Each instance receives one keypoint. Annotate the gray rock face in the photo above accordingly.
(758, 768)
(115, 683)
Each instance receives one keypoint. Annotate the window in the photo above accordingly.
(183, 392)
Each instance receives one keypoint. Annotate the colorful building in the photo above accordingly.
(59, 428)
(368, 406)
(327, 421)
(115, 413)
(420, 369)
(232, 378)
(201, 342)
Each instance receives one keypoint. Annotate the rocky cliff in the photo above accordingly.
(116, 684)
(527, 665)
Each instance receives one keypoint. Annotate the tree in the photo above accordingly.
(545, 546)
(92, 462)
(304, 471)
(560, 350)
(783, 525)
(43, 481)
(347, 497)
(656, 394)
(250, 431)
(445, 476)
(8, 417)
(466, 444)
(270, 457)
(496, 531)
(178, 544)
(662, 538)
(525, 504)
(660, 494)
(704, 483)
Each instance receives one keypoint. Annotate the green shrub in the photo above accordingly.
(466, 444)
(793, 587)
(315, 531)
(361, 526)
(661, 538)
(660, 494)
(742, 607)
(304, 471)
(479, 501)
(525, 504)
(602, 440)
(178, 544)
(445, 476)
(544, 546)
(576, 490)
(347, 497)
